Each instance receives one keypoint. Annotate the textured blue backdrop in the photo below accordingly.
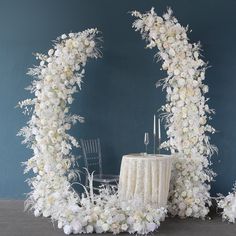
(119, 96)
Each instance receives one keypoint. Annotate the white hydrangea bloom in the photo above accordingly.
(186, 112)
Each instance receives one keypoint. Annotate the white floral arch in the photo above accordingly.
(56, 80)
(186, 112)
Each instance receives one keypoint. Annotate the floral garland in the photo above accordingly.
(228, 204)
(186, 111)
(56, 80)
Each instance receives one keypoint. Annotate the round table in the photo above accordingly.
(146, 177)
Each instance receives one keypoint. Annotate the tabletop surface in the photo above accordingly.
(144, 156)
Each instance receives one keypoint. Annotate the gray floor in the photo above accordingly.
(15, 222)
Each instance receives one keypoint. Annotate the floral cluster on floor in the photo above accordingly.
(56, 79)
(228, 205)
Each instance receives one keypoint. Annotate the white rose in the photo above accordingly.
(180, 103)
(176, 72)
(37, 213)
(151, 227)
(86, 42)
(168, 90)
(67, 229)
(202, 120)
(181, 82)
(59, 225)
(89, 229)
(172, 52)
(191, 71)
(63, 36)
(177, 36)
(92, 43)
(177, 166)
(137, 227)
(89, 50)
(77, 227)
(195, 83)
(75, 43)
(105, 227)
(195, 178)
(189, 212)
(184, 194)
(50, 52)
(205, 89)
(124, 227)
(195, 208)
(162, 29)
(182, 206)
(171, 40)
(70, 100)
(49, 60)
(98, 230)
(196, 54)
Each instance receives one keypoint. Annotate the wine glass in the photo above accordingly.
(146, 140)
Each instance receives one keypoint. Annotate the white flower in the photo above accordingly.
(205, 89)
(105, 227)
(63, 36)
(171, 51)
(50, 52)
(89, 229)
(191, 71)
(67, 229)
(181, 82)
(76, 227)
(60, 224)
(189, 211)
(37, 213)
(182, 206)
(71, 35)
(137, 227)
(162, 29)
(151, 227)
(124, 227)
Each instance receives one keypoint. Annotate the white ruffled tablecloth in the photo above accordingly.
(145, 177)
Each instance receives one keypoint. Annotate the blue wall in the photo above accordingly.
(118, 97)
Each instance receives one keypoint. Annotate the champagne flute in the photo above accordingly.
(146, 140)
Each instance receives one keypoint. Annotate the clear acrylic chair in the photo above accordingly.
(91, 149)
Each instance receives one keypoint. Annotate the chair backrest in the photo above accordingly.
(92, 154)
